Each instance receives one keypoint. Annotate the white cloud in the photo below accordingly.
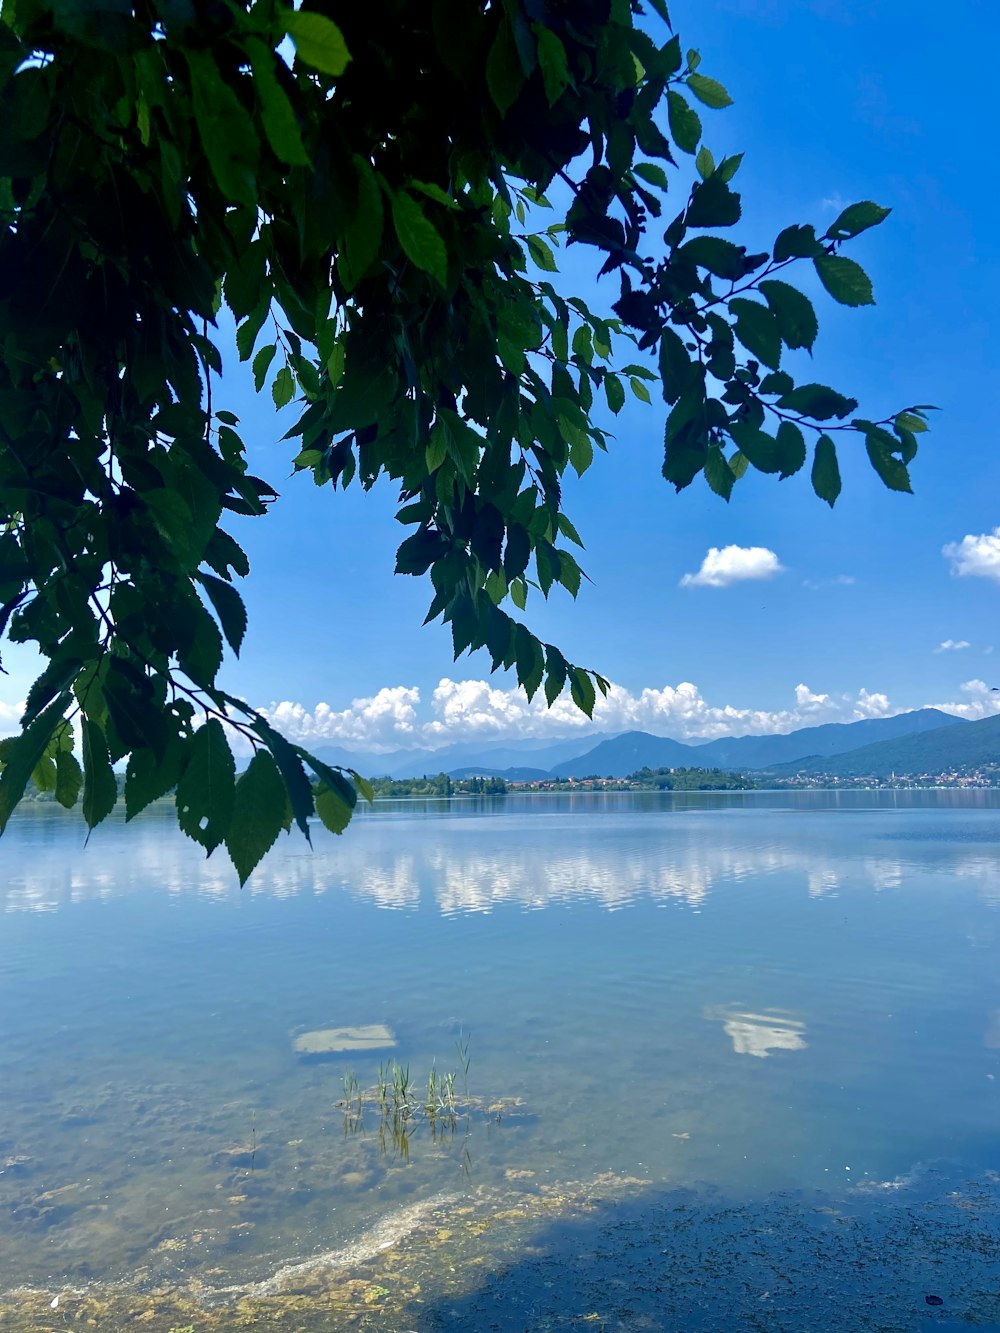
(975, 555)
(838, 581)
(980, 700)
(472, 710)
(10, 717)
(732, 564)
(872, 705)
(385, 720)
(952, 645)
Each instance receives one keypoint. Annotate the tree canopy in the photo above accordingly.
(379, 194)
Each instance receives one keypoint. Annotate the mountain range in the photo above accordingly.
(928, 738)
(964, 746)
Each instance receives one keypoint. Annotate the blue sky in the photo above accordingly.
(835, 101)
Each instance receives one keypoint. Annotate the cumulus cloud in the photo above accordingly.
(952, 645)
(975, 555)
(475, 710)
(10, 717)
(386, 720)
(733, 564)
(978, 700)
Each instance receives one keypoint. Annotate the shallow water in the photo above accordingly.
(722, 999)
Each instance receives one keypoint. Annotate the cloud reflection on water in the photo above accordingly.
(478, 864)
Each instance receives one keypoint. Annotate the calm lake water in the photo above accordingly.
(688, 1020)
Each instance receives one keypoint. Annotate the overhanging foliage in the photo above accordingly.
(370, 189)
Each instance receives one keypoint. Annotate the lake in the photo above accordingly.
(718, 1061)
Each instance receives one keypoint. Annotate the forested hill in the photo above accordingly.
(964, 748)
(638, 749)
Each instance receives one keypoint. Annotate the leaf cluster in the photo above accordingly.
(378, 211)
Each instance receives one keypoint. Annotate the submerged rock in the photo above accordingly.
(338, 1041)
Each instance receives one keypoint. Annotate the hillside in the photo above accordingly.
(638, 749)
(829, 739)
(626, 753)
(967, 746)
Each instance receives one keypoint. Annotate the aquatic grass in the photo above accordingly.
(403, 1106)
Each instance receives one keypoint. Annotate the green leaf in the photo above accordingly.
(519, 593)
(857, 218)
(297, 785)
(791, 448)
(582, 690)
(283, 388)
(758, 330)
(718, 473)
(149, 776)
(910, 421)
(332, 809)
(552, 62)
(614, 392)
(652, 174)
(229, 608)
(826, 470)
(259, 801)
(713, 204)
(225, 130)
(556, 667)
(100, 790)
(675, 365)
(205, 790)
(757, 446)
(262, 364)
(797, 242)
(891, 469)
(420, 239)
(639, 389)
(846, 281)
(541, 253)
(709, 91)
(817, 401)
(363, 235)
(704, 163)
(69, 779)
(277, 113)
(793, 311)
(716, 254)
(23, 752)
(318, 41)
(504, 74)
(364, 786)
(684, 121)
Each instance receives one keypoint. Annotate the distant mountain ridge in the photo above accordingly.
(622, 755)
(966, 745)
(616, 755)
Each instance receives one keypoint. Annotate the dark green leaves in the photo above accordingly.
(258, 814)
(399, 261)
(793, 311)
(685, 123)
(846, 281)
(318, 41)
(817, 401)
(826, 470)
(205, 791)
(229, 608)
(22, 753)
(225, 130)
(100, 790)
(797, 242)
(857, 218)
(758, 330)
(713, 204)
(419, 238)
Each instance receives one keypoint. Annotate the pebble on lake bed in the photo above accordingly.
(337, 1041)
